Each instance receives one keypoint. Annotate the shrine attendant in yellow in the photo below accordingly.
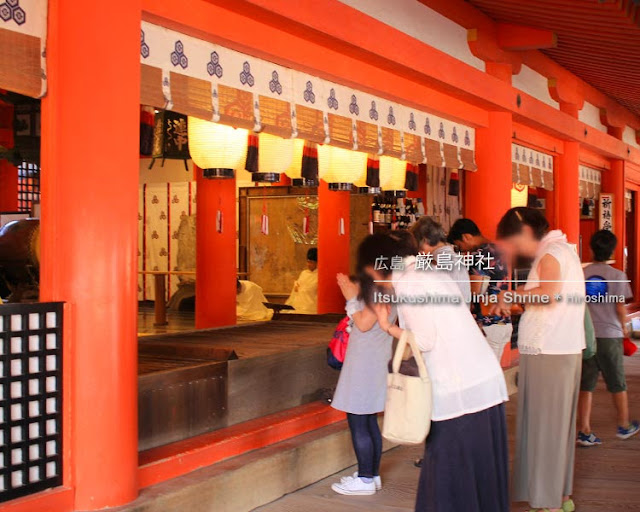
(304, 296)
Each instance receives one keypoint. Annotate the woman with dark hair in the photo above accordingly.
(432, 239)
(551, 339)
(465, 464)
(362, 386)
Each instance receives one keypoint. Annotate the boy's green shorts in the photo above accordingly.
(609, 361)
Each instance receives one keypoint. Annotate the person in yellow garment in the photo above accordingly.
(250, 303)
(304, 296)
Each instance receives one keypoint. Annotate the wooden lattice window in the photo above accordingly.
(30, 398)
(28, 186)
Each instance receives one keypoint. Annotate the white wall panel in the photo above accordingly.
(422, 23)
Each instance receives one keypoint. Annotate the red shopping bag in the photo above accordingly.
(629, 347)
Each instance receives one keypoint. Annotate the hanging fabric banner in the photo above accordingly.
(222, 85)
(23, 36)
(531, 167)
(289, 102)
(590, 182)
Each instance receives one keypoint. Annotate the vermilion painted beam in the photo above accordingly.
(383, 46)
(165, 462)
(542, 117)
(592, 159)
(468, 16)
(518, 37)
(245, 27)
(613, 118)
(360, 42)
(499, 63)
(569, 93)
(364, 53)
(536, 139)
(632, 175)
(59, 499)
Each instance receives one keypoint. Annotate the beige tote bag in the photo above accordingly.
(407, 412)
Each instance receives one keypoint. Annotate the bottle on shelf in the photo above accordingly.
(375, 210)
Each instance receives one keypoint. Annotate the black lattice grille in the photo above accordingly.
(30, 398)
(28, 186)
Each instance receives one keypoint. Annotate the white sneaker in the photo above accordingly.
(377, 480)
(355, 487)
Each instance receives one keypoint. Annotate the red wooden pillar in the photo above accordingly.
(216, 266)
(333, 246)
(8, 187)
(636, 243)
(488, 191)
(89, 238)
(567, 192)
(614, 183)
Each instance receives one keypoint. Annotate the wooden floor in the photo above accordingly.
(251, 340)
(607, 477)
(177, 321)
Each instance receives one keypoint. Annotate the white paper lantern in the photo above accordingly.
(338, 165)
(275, 154)
(393, 173)
(216, 146)
(295, 169)
(362, 181)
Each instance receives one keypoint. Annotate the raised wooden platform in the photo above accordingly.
(250, 340)
(259, 461)
(195, 382)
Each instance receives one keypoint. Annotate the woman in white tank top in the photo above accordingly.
(551, 340)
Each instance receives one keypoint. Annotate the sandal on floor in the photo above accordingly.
(569, 506)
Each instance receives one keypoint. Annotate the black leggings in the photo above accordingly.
(367, 443)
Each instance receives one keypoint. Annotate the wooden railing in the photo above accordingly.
(160, 290)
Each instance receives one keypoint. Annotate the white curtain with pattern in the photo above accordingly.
(162, 206)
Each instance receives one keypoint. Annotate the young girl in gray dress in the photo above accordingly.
(362, 387)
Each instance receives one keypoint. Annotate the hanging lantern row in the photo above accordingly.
(275, 156)
(392, 175)
(219, 149)
(339, 167)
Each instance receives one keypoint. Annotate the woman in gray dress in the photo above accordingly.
(550, 339)
(362, 386)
